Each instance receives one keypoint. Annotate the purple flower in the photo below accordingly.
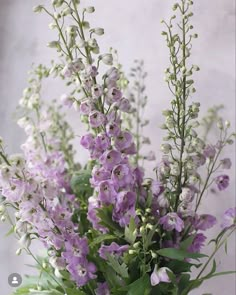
(209, 151)
(123, 141)
(124, 207)
(81, 271)
(226, 163)
(96, 119)
(122, 175)
(97, 91)
(87, 141)
(229, 218)
(75, 247)
(112, 129)
(113, 249)
(113, 95)
(93, 205)
(102, 289)
(197, 243)
(138, 174)
(99, 174)
(123, 105)
(198, 159)
(86, 107)
(172, 221)
(157, 188)
(102, 142)
(110, 159)
(222, 182)
(205, 221)
(160, 275)
(106, 192)
(15, 191)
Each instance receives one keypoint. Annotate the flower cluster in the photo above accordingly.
(108, 227)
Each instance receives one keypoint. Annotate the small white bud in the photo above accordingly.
(90, 9)
(98, 31)
(18, 252)
(227, 124)
(25, 241)
(107, 59)
(166, 148)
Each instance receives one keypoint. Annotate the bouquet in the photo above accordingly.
(110, 227)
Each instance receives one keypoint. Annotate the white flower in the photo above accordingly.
(186, 195)
(25, 241)
(107, 58)
(160, 275)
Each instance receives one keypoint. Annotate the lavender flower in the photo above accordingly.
(222, 182)
(197, 243)
(81, 271)
(172, 221)
(102, 289)
(205, 221)
(209, 151)
(113, 249)
(229, 218)
(226, 163)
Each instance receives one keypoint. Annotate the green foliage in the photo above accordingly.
(131, 232)
(80, 184)
(179, 254)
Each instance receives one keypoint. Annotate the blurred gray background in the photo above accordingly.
(133, 27)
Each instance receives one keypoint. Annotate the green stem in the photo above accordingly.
(215, 251)
(183, 104)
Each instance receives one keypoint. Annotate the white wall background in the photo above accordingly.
(133, 27)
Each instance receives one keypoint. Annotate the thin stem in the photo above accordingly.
(215, 251)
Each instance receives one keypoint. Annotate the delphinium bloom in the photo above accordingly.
(229, 218)
(172, 221)
(222, 182)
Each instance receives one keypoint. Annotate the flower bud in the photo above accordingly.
(166, 148)
(38, 8)
(107, 59)
(18, 252)
(25, 241)
(90, 9)
(98, 31)
(54, 44)
(227, 124)
(131, 252)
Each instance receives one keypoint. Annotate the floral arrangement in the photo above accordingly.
(108, 227)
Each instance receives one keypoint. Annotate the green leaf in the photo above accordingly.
(45, 292)
(183, 282)
(105, 214)
(141, 286)
(148, 240)
(80, 183)
(120, 269)
(186, 243)
(212, 270)
(10, 232)
(223, 273)
(179, 254)
(131, 232)
(74, 292)
(101, 239)
(181, 266)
